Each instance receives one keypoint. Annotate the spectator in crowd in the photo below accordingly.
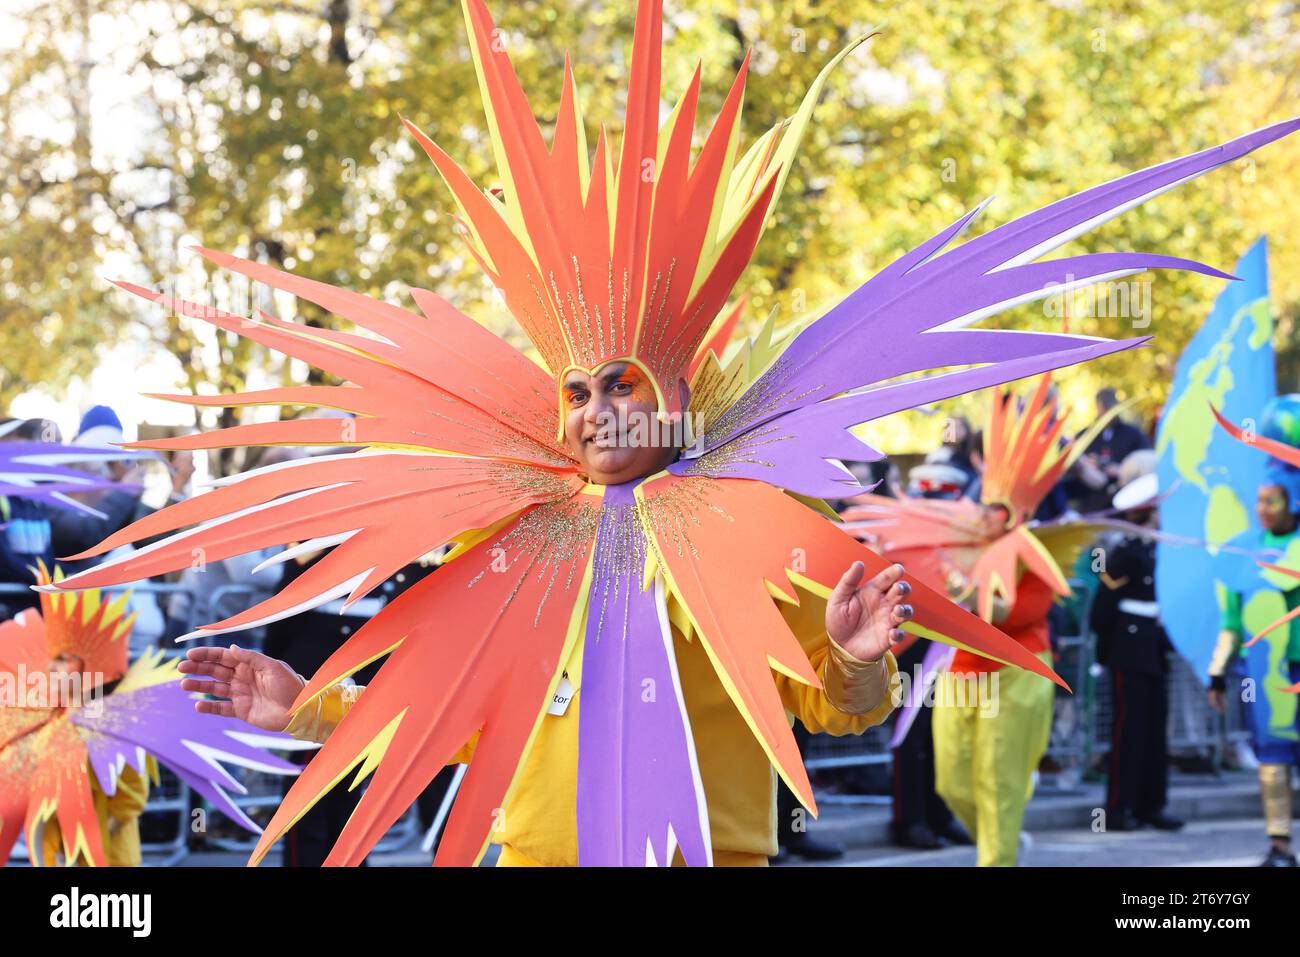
(1094, 480)
(956, 451)
(937, 480)
(792, 837)
(74, 532)
(25, 537)
(305, 642)
(214, 590)
(881, 476)
(920, 818)
(1133, 646)
(977, 460)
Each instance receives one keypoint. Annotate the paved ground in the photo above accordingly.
(864, 822)
(1225, 830)
(1231, 843)
(1223, 843)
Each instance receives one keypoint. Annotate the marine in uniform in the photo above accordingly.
(1133, 646)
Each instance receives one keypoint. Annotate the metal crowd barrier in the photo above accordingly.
(169, 800)
(1194, 727)
(847, 751)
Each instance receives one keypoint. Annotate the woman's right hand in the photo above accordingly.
(256, 688)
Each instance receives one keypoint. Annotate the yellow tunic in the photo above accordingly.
(539, 824)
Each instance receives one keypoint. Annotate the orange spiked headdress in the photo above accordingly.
(1024, 453)
(633, 255)
(83, 624)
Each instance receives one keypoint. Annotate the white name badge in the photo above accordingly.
(563, 695)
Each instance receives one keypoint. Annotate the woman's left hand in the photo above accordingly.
(866, 619)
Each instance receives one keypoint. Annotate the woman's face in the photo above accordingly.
(611, 425)
(67, 665)
(993, 520)
(1273, 510)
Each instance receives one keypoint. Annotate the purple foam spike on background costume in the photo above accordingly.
(935, 660)
(912, 315)
(36, 470)
(160, 719)
(792, 451)
(639, 787)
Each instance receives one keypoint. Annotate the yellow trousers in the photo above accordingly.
(988, 739)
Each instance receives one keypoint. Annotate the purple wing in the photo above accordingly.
(913, 317)
(160, 719)
(36, 470)
(936, 659)
(796, 451)
(639, 790)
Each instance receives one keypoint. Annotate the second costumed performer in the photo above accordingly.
(991, 724)
(624, 626)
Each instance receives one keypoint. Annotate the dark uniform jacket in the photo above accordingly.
(1127, 639)
(1111, 447)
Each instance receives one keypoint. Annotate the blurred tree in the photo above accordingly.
(270, 128)
(58, 204)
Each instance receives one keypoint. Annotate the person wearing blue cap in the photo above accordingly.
(100, 426)
(74, 532)
(1277, 508)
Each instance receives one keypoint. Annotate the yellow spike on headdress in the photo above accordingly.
(1025, 453)
(83, 625)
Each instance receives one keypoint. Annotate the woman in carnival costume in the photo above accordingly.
(81, 734)
(992, 724)
(624, 623)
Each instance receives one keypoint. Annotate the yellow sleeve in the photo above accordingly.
(318, 719)
(854, 696)
(1226, 647)
(821, 712)
(121, 829)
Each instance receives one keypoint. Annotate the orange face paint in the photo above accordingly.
(641, 390)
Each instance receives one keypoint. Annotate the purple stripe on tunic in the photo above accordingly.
(637, 773)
